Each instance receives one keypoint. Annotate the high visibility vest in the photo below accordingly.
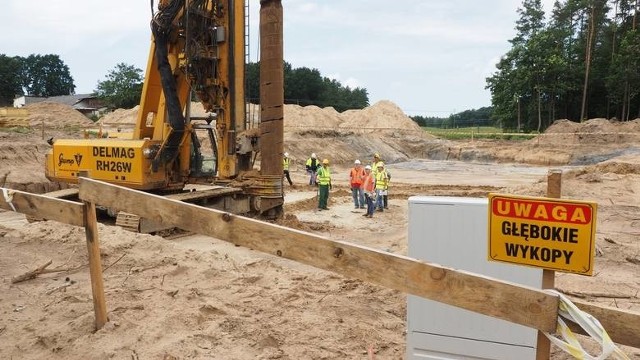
(369, 183)
(285, 163)
(324, 176)
(312, 164)
(381, 180)
(374, 166)
(357, 176)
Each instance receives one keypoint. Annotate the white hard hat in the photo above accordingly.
(357, 162)
(313, 155)
(286, 154)
(368, 167)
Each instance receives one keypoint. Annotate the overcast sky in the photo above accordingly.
(429, 57)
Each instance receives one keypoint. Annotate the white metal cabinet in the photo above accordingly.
(453, 232)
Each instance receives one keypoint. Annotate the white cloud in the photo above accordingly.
(351, 82)
(423, 55)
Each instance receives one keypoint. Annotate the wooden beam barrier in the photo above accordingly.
(40, 206)
(515, 303)
(68, 212)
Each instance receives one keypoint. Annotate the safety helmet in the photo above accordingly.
(357, 162)
(286, 154)
(313, 155)
(368, 167)
(325, 161)
(380, 164)
(376, 155)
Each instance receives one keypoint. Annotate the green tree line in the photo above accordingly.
(582, 62)
(47, 75)
(467, 118)
(34, 75)
(305, 86)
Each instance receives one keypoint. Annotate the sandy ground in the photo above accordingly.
(190, 296)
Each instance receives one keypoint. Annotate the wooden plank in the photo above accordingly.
(40, 206)
(500, 299)
(203, 194)
(623, 326)
(95, 266)
(63, 193)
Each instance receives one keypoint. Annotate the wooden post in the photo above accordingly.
(95, 265)
(554, 190)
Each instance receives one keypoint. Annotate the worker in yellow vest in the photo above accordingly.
(312, 166)
(323, 178)
(285, 166)
(374, 163)
(382, 182)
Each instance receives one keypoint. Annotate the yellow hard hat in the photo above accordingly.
(380, 164)
(376, 155)
(325, 161)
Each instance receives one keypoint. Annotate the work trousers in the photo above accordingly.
(370, 206)
(323, 196)
(379, 199)
(312, 177)
(357, 193)
(288, 177)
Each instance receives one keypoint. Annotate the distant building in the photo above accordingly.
(27, 100)
(87, 104)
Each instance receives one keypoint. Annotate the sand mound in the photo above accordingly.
(381, 115)
(55, 115)
(120, 116)
(563, 126)
(22, 159)
(594, 131)
(388, 130)
(129, 116)
(310, 117)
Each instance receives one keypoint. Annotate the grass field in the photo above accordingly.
(478, 132)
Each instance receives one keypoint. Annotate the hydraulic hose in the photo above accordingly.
(161, 29)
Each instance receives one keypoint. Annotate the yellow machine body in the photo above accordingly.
(211, 66)
(121, 162)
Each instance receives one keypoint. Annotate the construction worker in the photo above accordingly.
(356, 177)
(385, 197)
(285, 166)
(369, 187)
(312, 166)
(381, 185)
(323, 178)
(374, 170)
(374, 163)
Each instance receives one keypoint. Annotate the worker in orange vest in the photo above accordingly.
(356, 177)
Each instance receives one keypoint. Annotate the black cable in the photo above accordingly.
(161, 29)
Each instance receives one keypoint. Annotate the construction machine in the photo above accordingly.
(198, 50)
